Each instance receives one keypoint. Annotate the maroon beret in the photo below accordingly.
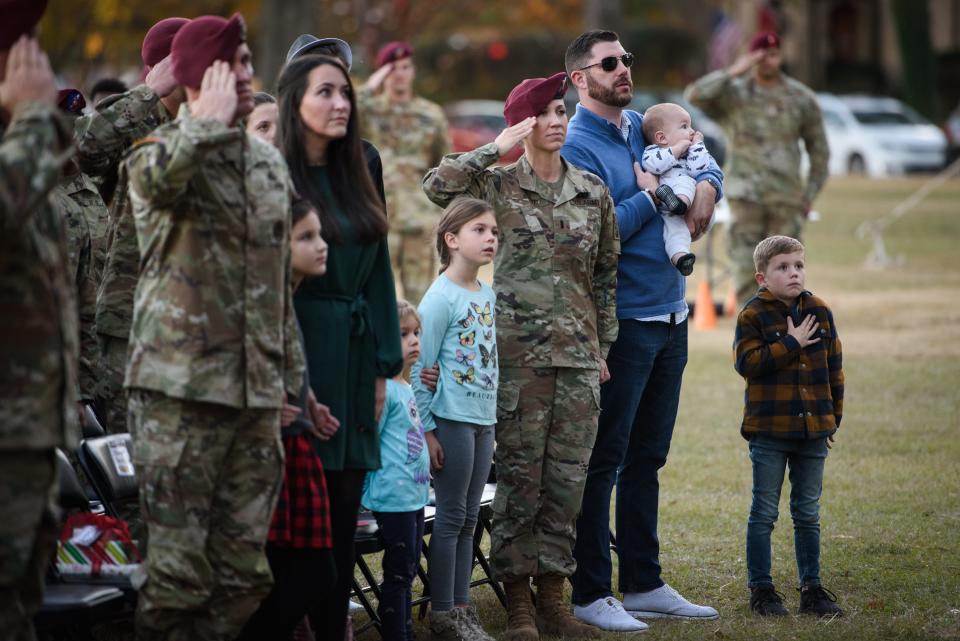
(391, 52)
(765, 40)
(203, 41)
(19, 18)
(532, 96)
(156, 44)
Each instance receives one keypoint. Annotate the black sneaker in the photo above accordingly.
(670, 202)
(816, 599)
(685, 264)
(766, 601)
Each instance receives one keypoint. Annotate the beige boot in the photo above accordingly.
(520, 622)
(553, 616)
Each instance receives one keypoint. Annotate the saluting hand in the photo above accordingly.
(160, 78)
(745, 62)
(511, 136)
(218, 94)
(29, 77)
(375, 81)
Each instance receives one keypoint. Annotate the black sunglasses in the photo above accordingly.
(609, 63)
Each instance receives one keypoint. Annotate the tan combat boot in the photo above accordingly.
(520, 622)
(553, 617)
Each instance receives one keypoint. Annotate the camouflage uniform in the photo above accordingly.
(763, 181)
(213, 348)
(102, 139)
(555, 276)
(80, 252)
(412, 137)
(38, 355)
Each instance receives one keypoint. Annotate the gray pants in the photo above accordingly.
(468, 453)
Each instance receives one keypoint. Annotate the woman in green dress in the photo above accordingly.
(348, 316)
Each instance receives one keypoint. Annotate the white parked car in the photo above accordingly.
(879, 136)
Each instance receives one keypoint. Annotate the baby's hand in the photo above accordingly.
(806, 331)
(680, 149)
(697, 137)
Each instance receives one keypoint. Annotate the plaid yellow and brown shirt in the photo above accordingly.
(791, 392)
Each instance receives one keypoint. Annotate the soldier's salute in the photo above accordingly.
(38, 325)
(411, 134)
(102, 139)
(766, 114)
(555, 277)
(213, 346)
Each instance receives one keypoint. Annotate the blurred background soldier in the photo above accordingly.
(411, 134)
(765, 114)
(103, 138)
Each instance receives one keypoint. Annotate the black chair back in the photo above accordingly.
(92, 427)
(108, 462)
(72, 494)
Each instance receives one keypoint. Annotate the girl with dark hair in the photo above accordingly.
(262, 121)
(349, 316)
(299, 541)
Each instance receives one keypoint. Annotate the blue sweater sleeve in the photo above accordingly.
(434, 311)
(632, 212)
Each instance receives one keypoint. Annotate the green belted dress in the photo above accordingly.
(352, 336)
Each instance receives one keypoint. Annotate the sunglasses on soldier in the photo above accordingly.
(609, 63)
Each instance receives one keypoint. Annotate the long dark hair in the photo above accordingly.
(349, 178)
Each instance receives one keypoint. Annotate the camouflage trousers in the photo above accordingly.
(111, 396)
(546, 427)
(412, 258)
(29, 528)
(752, 222)
(209, 477)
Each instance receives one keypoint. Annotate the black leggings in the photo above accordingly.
(329, 614)
(301, 577)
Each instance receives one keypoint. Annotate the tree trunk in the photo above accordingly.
(281, 22)
(912, 20)
(602, 14)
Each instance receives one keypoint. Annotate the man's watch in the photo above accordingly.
(713, 182)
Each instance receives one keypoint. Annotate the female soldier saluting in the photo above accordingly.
(555, 278)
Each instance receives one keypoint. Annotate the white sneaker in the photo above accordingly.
(665, 602)
(608, 614)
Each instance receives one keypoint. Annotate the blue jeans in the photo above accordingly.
(638, 410)
(771, 457)
(402, 534)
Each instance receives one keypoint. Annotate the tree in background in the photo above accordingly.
(912, 20)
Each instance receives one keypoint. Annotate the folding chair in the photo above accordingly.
(108, 464)
(76, 606)
(367, 541)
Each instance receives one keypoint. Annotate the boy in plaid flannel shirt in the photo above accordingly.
(787, 349)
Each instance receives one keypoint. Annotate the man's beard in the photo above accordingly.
(607, 95)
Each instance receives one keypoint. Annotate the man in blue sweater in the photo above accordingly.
(639, 403)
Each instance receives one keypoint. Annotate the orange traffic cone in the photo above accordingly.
(730, 305)
(704, 313)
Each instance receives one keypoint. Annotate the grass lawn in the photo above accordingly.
(891, 503)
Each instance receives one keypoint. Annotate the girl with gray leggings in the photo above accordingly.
(458, 338)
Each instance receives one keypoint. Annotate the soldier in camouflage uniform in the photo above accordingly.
(555, 278)
(411, 134)
(38, 326)
(81, 272)
(102, 139)
(765, 115)
(213, 346)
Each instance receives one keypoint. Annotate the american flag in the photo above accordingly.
(724, 40)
